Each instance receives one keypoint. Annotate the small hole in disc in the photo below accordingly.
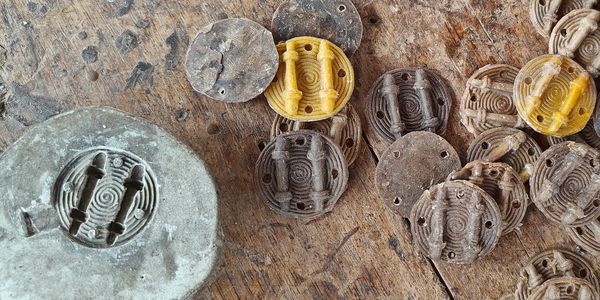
(380, 115)
(300, 206)
(421, 221)
(349, 143)
(308, 109)
(563, 32)
(444, 154)
(334, 173)
(341, 8)
(485, 145)
(540, 118)
(528, 80)
(341, 73)
(308, 47)
(488, 224)
(283, 127)
(267, 178)
(396, 201)
(549, 163)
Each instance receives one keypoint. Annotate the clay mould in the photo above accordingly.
(315, 80)
(343, 128)
(508, 145)
(301, 174)
(551, 264)
(456, 222)
(577, 36)
(545, 13)
(487, 101)
(337, 21)
(407, 100)
(565, 184)
(565, 288)
(586, 136)
(232, 60)
(554, 95)
(587, 236)
(503, 184)
(411, 165)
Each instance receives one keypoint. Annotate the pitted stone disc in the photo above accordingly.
(170, 240)
(289, 179)
(232, 60)
(456, 222)
(337, 21)
(567, 288)
(411, 165)
(587, 136)
(346, 133)
(551, 264)
(381, 111)
(563, 36)
(587, 237)
(491, 144)
(487, 101)
(501, 182)
(543, 22)
(554, 95)
(565, 184)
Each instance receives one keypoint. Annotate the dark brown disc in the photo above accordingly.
(456, 222)
(337, 21)
(232, 60)
(587, 237)
(290, 182)
(410, 166)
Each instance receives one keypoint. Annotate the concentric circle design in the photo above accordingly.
(350, 138)
(584, 236)
(567, 195)
(513, 210)
(300, 175)
(527, 154)
(410, 106)
(539, 8)
(553, 98)
(107, 196)
(476, 99)
(456, 216)
(587, 136)
(563, 32)
(308, 76)
(568, 286)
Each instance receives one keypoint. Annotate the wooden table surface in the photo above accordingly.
(360, 250)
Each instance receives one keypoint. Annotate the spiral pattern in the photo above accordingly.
(581, 268)
(549, 163)
(541, 118)
(584, 237)
(409, 104)
(309, 81)
(459, 192)
(538, 9)
(492, 102)
(487, 140)
(563, 33)
(300, 175)
(351, 134)
(107, 196)
(513, 211)
(569, 289)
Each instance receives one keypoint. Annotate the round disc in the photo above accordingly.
(521, 160)
(291, 190)
(337, 21)
(349, 137)
(501, 182)
(587, 136)
(489, 91)
(170, 239)
(563, 33)
(410, 166)
(232, 60)
(538, 9)
(466, 218)
(409, 104)
(563, 200)
(565, 288)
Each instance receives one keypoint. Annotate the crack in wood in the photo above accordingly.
(331, 256)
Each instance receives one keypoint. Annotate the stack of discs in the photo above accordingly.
(307, 80)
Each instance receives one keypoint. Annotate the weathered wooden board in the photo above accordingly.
(129, 54)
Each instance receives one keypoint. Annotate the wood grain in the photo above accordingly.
(361, 250)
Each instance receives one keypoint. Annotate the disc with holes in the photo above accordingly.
(456, 222)
(551, 264)
(337, 21)
(565, 39)
(344, 129)
(565, 184)
(487, 101)
(314, 82)
(554, 95)
(508, 145)
(410, 166)
(545, 13)
(567, 288)
(107, 205)
(587, 136)
(501, 182)
(301, 174)
(232, 60)
(402, 105)
(587, 237)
